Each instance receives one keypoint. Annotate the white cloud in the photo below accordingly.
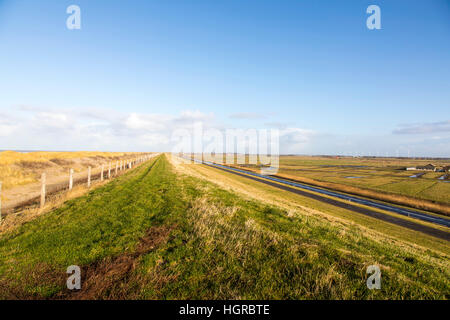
(7, 130)
(295, 140)
(76, 129)
(54, 120)
(424, 128)
(102, 129)
(146, 122)
(247, 115)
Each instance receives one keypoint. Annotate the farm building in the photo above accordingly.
(428, 167)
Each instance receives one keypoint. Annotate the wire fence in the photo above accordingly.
(89, 178)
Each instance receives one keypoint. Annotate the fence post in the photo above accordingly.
(89, 177)
(70, 179)
(109, 170)
(117, 165)
(101, 174)
(43, 181)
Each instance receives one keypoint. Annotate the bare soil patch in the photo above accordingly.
(110, 278)
(33, 165)
(62, 162)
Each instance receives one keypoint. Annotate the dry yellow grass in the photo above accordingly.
(53, 201)
(20, 173)
(22, 168)
(12, 221)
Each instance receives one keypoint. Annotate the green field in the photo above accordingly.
(385, 175)
(156, 233)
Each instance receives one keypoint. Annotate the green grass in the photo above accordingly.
(221, 246)
(408, 235)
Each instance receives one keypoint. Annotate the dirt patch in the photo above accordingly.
(39, 278)
(62, 162)
(33, 165)
(113, 278)
(97, 158)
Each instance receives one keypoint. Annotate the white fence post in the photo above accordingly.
(117, 166)
(109, 170)
(89, 177)
(70, 179)
(43, 181)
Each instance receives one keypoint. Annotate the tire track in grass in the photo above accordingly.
(112, 278)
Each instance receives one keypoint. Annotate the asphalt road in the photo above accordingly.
(286, 185)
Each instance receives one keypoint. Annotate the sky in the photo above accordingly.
(137, 71)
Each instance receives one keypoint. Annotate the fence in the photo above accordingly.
(50, 189)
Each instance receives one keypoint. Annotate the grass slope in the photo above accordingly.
(220, 246)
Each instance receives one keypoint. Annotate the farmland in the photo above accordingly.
(168, 230)
(378, 178)
(385, 175)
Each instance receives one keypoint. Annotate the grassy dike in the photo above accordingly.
(155, 234)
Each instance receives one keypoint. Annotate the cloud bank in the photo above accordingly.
(34, 128)
(424, 128)
(37, 128)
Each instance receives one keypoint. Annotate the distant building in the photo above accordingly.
(428, 167)
(411, 168)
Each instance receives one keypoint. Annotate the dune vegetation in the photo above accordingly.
(17, 168)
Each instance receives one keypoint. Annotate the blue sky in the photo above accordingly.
(139, 69)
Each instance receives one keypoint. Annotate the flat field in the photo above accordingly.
(377, 178)
(386, 175)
